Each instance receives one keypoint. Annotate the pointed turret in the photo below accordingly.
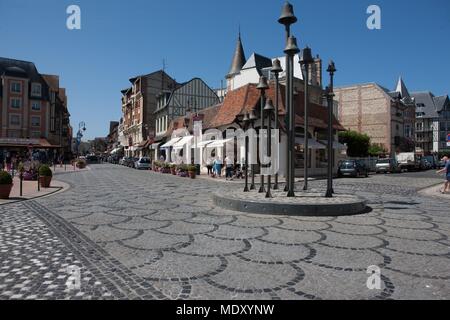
(401, 88)
(238, 59)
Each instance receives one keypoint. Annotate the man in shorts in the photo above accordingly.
(446, 169)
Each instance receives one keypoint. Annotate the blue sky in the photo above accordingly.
(120, 39)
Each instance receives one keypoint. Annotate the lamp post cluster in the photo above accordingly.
(288, 18)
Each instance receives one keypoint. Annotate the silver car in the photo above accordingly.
(142, 163)
(387, 165)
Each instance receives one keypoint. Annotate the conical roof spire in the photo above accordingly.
(238, 58)
(401, 88)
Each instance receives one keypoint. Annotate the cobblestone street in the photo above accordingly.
(144, 235)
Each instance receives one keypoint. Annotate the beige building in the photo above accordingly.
(387, 117)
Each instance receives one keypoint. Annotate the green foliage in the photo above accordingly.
(45, 171)
(182, 168)
(376, 150)
(5, 178)
(357, 143)
(192, 168)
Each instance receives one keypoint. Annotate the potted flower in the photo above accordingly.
(81, 164)
(166, 168)
(192, 169)
(45, 176)
(182, 170)
(6, 184)
(173, 169)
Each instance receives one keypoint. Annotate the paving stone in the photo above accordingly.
(161, 237)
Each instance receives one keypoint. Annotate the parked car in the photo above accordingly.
(92, 159)
(131, 161)
(353, 168)
(441, 164)
(142, 163)
(387, 165)
(432, 160)
(425, 165)
(124, 161)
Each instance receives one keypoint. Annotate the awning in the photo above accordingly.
(171, 142)
(182, 142)
(155, 146)
(33, 143)
(336, 145)
(218, 143)
(312, 143)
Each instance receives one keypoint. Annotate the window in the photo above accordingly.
(14, 120)
(36, 134)
(36, 89)
(36, 105)
(35, 121)
(321, 158)
(16, 103)
(16, 87)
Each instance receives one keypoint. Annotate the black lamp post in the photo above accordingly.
(330, 94)
(291, 50)
(269, 109)
(252, 118)
(276, 69)
(262, 87)
(288, 18)
(246, 122)
(306, 60)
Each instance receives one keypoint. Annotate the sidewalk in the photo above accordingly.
(435, 192)
(30, 190)
(67, 169)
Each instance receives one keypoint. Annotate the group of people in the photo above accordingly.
(216, 165)
(446, 170)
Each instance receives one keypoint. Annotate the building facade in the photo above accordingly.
(33, 109)
(139, 103)
(387, 117)
(192, 96)
(432, 122)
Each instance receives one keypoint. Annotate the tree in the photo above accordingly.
(357, 143)
(376, 150)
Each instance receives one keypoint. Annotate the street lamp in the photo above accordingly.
(291, 50)
(288, 18)
(276, 69)
(306, 60)
(262, 87)
(252, 118)
(246, 122)
(330, 94)
(269, 109)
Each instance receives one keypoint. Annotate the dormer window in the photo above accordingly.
(36, 89)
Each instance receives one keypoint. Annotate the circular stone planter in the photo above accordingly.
(303, 204)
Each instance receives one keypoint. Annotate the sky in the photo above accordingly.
(121, 39)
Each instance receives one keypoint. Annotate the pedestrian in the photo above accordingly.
(209, 165)
(446, 170)
(219, 165)
(228, 168)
